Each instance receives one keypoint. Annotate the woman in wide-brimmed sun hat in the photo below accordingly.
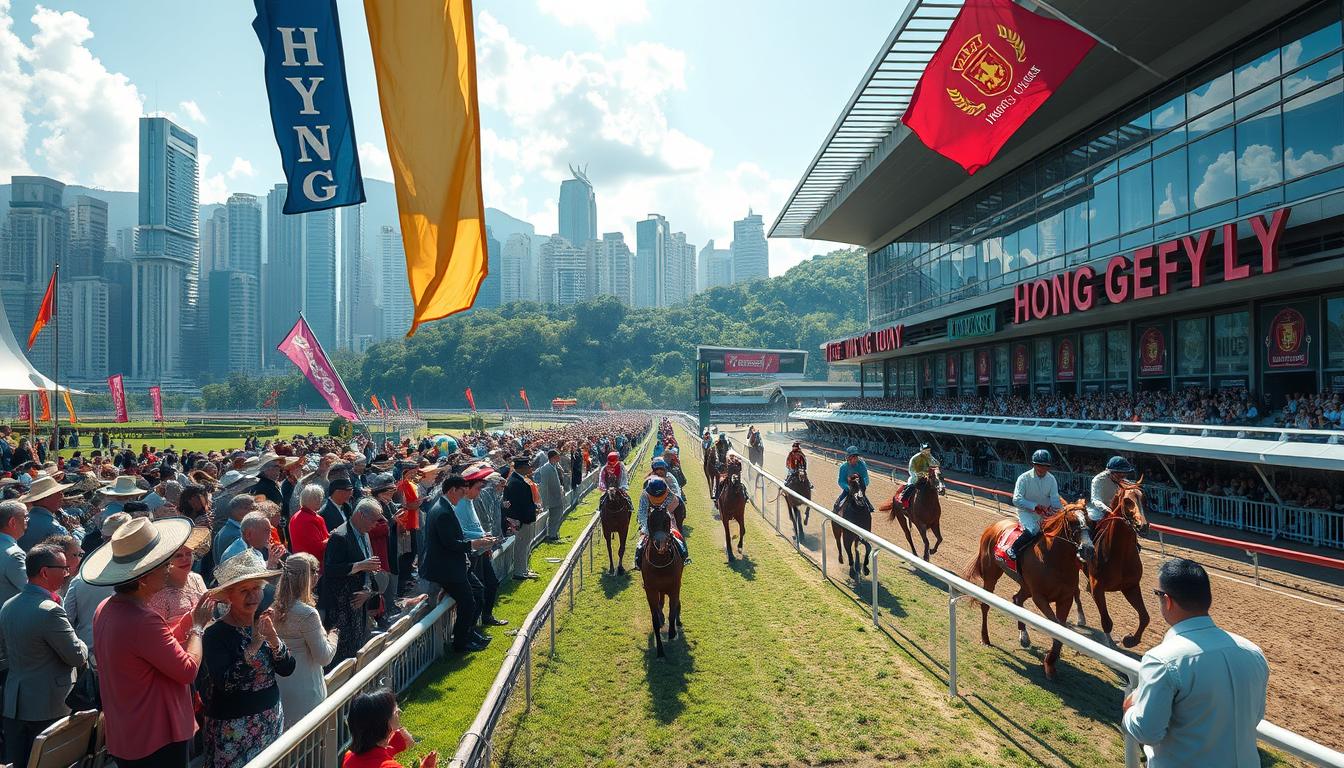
(145, 673)
(243, 655)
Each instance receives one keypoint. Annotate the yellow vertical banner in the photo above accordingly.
(424, 54)
(69, 406)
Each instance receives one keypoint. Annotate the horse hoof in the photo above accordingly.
(1050, 672)
(620, 571)
(1130, 641)
(661, 655)
(1024, 640)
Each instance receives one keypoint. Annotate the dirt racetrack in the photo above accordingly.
(1298, 622)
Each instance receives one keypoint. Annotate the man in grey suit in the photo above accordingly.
(44, 653)
(552, 494)
(13, 577)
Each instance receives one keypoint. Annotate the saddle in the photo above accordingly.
(1003, 546)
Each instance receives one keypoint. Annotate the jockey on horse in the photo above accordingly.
(657, 492)
(721, 448)
(796, 461)
(922, 466)
(1036, 496)
(852, 465)
(614, 475)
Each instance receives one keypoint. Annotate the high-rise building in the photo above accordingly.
(243, 246)
(83, 303)
(489, 295)
(518, 270)
(214, 241)
(679, 270)
(244, 227)
(319, 276)
(164, 278)
(751, 252)
(282, 288)
(124, 242)
(715, 267)
(233, 344)
(117, 279)
(613, 264)
(578, 208)
(38, 238)
(396, 295)
(353, 276)
(650, 261)
(88, 238)
(565, 272)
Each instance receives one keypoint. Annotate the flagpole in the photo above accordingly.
(1062, 17)
(56, 361)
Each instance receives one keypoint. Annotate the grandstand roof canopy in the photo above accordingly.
(857, 188)
(800, 389)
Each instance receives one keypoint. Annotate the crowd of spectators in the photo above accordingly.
(196, 598)
(1186, 406)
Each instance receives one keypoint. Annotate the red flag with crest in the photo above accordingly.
(471, 401)
(997, 66)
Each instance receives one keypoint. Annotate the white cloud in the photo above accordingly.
(1219, 182)
(193, 112)
(602, 17)
(374, 162)
(241, 168)
(214, 186)
(90, 115)
(14, 84)
(1258, 167)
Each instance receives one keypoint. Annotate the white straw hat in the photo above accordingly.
(43, 487)
(244, 566)
(136, 548)
(124, 486)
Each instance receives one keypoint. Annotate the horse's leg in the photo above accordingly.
(905, 526)
(1023, 638)
(937, 529)
(1135, 597)
(656, 609)
(624, 533)
(990, 576)
(867, 555)
(607, 536)
(839, 543)
(727, 538)
(1061, 616)
(924, 536)
(673, 614)
(741, 529)
(1099, 597)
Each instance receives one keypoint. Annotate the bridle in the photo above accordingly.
(1122, 512)
(667, 548)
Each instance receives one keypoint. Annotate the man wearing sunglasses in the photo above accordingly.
(1202, 690)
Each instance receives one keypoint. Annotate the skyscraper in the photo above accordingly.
(578, 209)
(124, 242)
(565, 272)
(117, 280)
(489, 294)
(243, 217)
(396, 292)
(38, 238)
(319, 273)
(715, 267)
(241, 275)
(88, 237)
(650, 261)
(679, 270)
(82, 302)
(518, 270)
(165, 274)
(751, 253)
(214, 241)
(613, 264)
(282, 288)
(352, 275)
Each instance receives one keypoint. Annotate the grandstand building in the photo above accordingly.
(1172, 217)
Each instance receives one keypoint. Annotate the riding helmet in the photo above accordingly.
(1119, 464)
(657, 490)
(796, 444)
(852, 450)
(924, 446)
(613, 457)
(658, 464)
(1042, 456)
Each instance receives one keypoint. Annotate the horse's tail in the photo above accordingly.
(975, 572)
(889, 508)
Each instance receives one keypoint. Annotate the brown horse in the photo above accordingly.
(1118, 567)
(925, 512)
(732, 504)
(858, 511)
(660, 568)
(1048, 571)
(615, 508)
(711, 467)
(800, 485)
(756, 449)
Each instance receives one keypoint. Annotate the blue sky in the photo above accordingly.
(691, 108)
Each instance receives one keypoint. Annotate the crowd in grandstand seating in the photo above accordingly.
(197, 597)
(1186, 406)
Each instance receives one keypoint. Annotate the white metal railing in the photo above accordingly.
(957, 588)
(318, 740)
(476, 745)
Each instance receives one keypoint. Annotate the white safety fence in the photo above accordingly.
(320, 738)
(958, 588)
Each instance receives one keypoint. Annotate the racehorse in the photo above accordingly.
(660, 570)
(858, 511)
(1118, 567)
(799, 484)
(1047, 572)
(732, 504)
(711, 467)
(925, 512)
(756, 449)
(615, 509)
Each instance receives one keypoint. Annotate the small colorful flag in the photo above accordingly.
(471, 401)
(25, 408)
(44, 311)
(395, 407)
(305, 351)
(45, 402)
(114, 385)
(156, 398)
(523, 394)
(69, 406)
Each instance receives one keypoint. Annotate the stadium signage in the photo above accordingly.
(1149, 271)
(884, 340)
(982, 323)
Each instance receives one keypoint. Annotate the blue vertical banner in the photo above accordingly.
(310, 103)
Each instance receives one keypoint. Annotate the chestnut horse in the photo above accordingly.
(1048, 571)
(925, 512)
(799, 484)
(732, 504)
(660, 568)
(615, 509)
(1118, 567)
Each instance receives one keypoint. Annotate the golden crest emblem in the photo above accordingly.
(1066, 358)
(1289, 336)
(983, 67)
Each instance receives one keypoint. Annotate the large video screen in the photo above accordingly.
(754, 363)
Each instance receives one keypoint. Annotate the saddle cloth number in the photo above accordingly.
(1005, 543)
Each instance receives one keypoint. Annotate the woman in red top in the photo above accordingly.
(376, 735)
(307, 530)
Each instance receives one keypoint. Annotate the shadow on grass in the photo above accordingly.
(666, 677)
(1029, 743)
(744, 566)
(614, 584)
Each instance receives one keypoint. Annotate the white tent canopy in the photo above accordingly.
(17, 375)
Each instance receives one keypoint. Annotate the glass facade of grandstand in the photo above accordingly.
(1256, 129)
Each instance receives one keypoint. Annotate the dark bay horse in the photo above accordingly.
(756, 449)
(858, 511)
(615, 508)
(799, 484)
(732, 504)
(925, 511)
(1048, 571)
(660, 570)
(711, 467)
(1118, 567)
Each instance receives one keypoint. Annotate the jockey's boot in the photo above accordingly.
(1021, 545)
(639, 553)
(685, 552)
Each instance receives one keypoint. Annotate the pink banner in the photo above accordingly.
(118, 398)
(739, 362)
(303, 349)
(25, 408)
(156, 397)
